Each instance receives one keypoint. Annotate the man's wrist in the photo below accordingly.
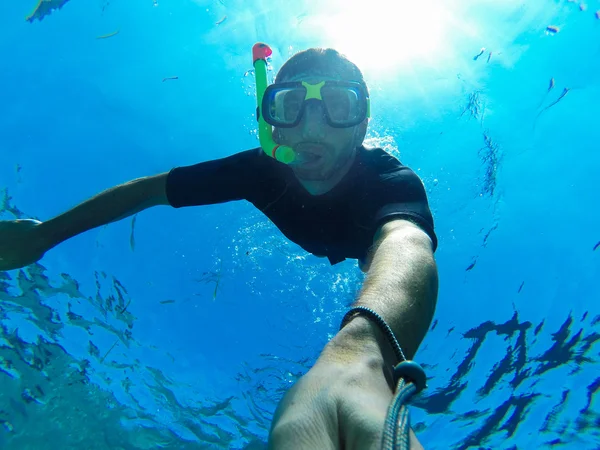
(359, 338)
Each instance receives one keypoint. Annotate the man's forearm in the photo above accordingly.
(108, 206)
(402, 284)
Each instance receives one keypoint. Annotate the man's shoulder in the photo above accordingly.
(379, 161)
(382, 172)
(259, 158)
(246, 161)
(252, 160)
(250, 155)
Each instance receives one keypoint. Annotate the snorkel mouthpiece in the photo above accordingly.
(286, 155)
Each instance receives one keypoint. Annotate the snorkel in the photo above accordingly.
(284, 154)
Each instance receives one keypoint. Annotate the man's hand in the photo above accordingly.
(342, 402)
(21, 243)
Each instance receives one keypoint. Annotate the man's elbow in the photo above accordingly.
(405, 236)
(406, 231)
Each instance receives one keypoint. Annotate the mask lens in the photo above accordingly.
(344, 105)
(285, 105)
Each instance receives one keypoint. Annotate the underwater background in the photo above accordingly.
(182, 329)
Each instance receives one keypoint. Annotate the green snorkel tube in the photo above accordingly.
(286, 155)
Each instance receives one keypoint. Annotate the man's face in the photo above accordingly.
(325, 153)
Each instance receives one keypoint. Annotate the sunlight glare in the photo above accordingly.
(385, 33)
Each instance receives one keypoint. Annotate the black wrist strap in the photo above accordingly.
(378, 320)
(407, 370)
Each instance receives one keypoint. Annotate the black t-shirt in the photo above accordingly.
(339, 224)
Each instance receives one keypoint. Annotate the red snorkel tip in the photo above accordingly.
(260, 51)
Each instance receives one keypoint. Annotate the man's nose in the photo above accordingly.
(313, 121)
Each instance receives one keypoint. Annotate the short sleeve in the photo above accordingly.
(210, 182)
(403, 196)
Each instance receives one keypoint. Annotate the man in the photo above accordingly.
(338, 200)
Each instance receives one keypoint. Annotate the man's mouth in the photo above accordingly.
(307, 160)
(309, 153)
(307, 157)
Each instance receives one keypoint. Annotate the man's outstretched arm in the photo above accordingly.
(342, 401)
(106, 207)
(24, 242)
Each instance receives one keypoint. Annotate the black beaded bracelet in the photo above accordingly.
(385, 328)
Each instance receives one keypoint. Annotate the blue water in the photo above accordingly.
(105, 344)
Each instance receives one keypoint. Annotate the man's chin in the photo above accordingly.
(311, 175)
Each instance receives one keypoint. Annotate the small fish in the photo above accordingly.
(476, 57)
(216, 287)
(471, 266)
(582, 6)
(132, 236)
(166, 302)
(109, 35)
(489, 57)
(218, 279)
(125, 307)
(221, 21)
(44, 8)
(550, 87)
(301, 18)
(562, 95)
(435, 322)
(170, 78)
(552, 29)
(598, 14)
(113, 346)
(596, 246)
(564, 92)
(521, 287)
